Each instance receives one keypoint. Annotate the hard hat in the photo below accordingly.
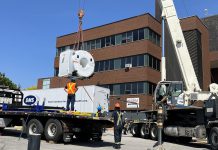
(117, 105)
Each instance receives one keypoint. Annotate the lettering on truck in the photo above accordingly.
(30, 100)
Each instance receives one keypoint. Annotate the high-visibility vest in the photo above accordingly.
(119, 118)
(71, 88)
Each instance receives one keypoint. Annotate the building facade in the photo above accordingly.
(135, 41)
(212, 24)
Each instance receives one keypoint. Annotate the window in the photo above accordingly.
(150, 35)
(158, 65)
(93, 44)
(128, 88)
(122, 88)
(98, 43)
(134, 61)
(118, 39)
(146, 59)
(123, 62)
(140, 88)
(138, 34)
(101, 66)
(56, 71)
(158, 40)
(57, 52)
(124, 38)
(140, 60)
(113, 40)
(154, 37)
(146, 33)
(108, 41)
(134, 88)
(111, 64)
(102, 42)
(111, 89)
(129, 37)
(45, 83)
(116, 89)
(135, 35)
(96, 66)
(131, 88)
(146, 88)
(150, 88)
(141, 34)
(154, 65)
(81, 46)
(128, 60)
(72, 46)
(84, 46)
(106, 64)
(150, 60)
(88, 45)
(117, 63)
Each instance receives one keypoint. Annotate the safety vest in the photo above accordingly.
(119, 118)
(71, 88)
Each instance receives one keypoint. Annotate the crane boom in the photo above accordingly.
(178, 40)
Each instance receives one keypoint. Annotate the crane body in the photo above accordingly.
(175, 115)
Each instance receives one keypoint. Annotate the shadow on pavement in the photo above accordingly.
(193, 143)
(16, 133)
(12, 132)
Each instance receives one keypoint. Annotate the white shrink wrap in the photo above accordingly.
(79, 60)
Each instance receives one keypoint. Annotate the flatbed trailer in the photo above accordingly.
(56, 125)
(181, 123)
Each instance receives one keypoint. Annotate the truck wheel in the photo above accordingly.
(143, 133)
(53, 130)
(154, 132)
(135, 130)
(213, 138)
(34, 126)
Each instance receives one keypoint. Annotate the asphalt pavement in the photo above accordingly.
(10, 141)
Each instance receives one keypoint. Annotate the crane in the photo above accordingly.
(174, 89)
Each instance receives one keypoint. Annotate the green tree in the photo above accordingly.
(7, 82)
(31, 88)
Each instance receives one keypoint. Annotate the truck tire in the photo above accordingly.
(34, 126)
(213, 138)
(154, 132)
(135, 130)
(143, 133)
(53, 130)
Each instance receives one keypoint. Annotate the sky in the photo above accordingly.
(29, 28)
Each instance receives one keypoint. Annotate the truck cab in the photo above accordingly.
(172, 90)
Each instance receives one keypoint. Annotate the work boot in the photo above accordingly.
(119, 146)
(116, 146)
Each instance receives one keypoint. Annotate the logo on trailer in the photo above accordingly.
(29, 100)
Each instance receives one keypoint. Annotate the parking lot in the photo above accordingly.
(10, 141)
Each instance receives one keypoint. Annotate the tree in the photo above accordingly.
(31, 88)
(5, 81)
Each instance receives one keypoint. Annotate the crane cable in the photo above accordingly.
(79, 42)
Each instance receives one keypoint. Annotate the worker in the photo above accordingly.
(118, 125)
(99, 114)
(71, 89)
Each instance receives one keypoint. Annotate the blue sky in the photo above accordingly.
(28, 29)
